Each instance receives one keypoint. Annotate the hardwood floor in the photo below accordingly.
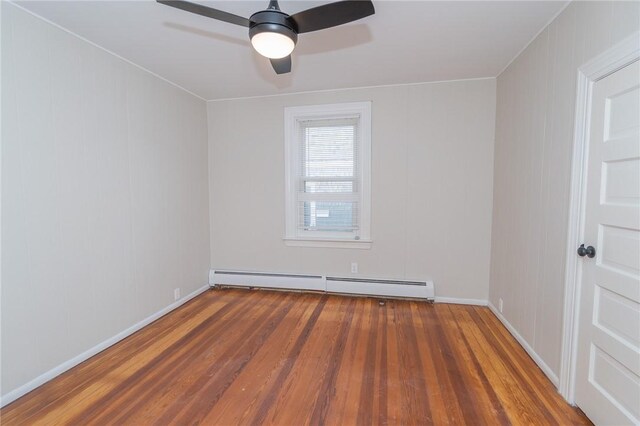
(249, 357)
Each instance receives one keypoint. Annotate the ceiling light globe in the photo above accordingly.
(272, 45)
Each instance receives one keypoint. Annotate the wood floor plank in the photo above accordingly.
(480, 393)
(345, 404)
(546, 390)
(413, 390)
(444, 370)
(437, 401)
(131, 388)
(238, 357)
(186, 379)
(49, 397)
(78, 386)
(512, 396)
(381, 371)
(395, 414)
(301, 395)
(242, 402)
(368, 390)
(204, 394)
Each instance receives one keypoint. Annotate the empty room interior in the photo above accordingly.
(320, 212)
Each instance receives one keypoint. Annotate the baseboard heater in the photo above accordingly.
(268, 280)
(374, 287)
(348, 285)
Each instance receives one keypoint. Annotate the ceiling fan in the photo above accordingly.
(274, 33)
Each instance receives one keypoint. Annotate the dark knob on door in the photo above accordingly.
(588, 251)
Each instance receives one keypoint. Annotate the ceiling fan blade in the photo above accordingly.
(207, 11)
(331, 15)
(282, 65)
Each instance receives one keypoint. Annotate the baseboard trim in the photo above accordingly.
(461, 301)
(67, 365)
(536, 358)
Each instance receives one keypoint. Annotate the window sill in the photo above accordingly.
(328, 243)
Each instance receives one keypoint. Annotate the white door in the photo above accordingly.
(608, 367)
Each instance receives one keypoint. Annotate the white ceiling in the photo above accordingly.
(404, 42)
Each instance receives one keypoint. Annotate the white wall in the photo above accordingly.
(534, 139)
(432, 173)
(104, 196)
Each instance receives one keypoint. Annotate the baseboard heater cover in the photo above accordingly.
(269, 280)
(348, 285)
(377, 287)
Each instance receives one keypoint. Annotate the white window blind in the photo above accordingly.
(328, 181)
(328, 160)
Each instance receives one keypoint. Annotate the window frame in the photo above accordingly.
(292, 117)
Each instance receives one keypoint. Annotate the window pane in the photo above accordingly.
(328, 216)
(328, 186)
(329, 151)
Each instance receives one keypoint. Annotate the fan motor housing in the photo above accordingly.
(273, 21)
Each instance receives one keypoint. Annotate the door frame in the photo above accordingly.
(613, 59)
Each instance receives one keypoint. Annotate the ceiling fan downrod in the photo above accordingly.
(273, 5)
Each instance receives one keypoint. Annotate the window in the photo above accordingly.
(328, 162)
